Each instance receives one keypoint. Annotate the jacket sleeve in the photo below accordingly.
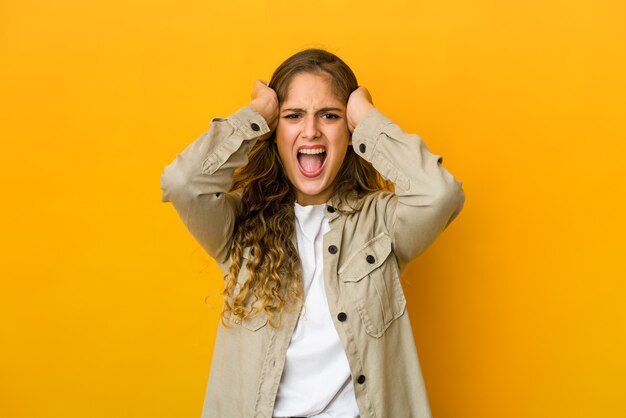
(197, 181)
(427, 197)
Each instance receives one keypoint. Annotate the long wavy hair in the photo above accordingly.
(266, 220)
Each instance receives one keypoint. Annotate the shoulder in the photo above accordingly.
(377, 203)
(380, 197)
(373, 212)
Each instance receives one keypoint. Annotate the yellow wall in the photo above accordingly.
(518, 308)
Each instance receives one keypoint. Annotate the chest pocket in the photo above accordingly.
(372, 281)
(251, 324)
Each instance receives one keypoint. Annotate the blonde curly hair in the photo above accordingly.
(266, 219)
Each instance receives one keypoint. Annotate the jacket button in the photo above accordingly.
(342, 316)
(332, 249)
(362, 148)
(255, 127)
(361, 379)
(370, 259)
(330, 209)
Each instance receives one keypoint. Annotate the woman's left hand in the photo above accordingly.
(359, 103)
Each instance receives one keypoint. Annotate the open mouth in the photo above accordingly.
(311, 160)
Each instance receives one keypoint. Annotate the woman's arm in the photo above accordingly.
(197, 181)
(427, 197)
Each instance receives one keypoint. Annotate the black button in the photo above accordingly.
(342, 316)
(361, 379)
(255, 127)
(370, 259)
(362, 148)
(332, 249)
(330, 209)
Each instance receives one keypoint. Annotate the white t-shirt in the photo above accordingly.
(316, 380)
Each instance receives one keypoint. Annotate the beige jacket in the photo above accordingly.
(366, 252)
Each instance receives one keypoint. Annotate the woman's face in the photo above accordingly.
(312, 137)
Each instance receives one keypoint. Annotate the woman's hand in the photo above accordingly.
(265, 101)
(359, 103)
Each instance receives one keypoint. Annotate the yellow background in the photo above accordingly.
(108, 307)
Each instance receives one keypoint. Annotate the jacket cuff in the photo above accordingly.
(366, 133)
(248, 122)
(247, 125)
(367, 143)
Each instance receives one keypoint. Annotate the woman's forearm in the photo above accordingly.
(197, 181)
(427, 197)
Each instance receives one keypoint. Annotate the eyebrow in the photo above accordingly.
(323, 109)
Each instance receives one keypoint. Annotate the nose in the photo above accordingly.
(310, 130)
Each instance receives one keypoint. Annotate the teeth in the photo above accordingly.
(312, 151)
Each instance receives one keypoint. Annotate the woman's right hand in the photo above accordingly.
(265, 101)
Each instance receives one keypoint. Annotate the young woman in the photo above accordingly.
(291, 196)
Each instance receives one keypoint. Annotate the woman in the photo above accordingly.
(290, 196)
